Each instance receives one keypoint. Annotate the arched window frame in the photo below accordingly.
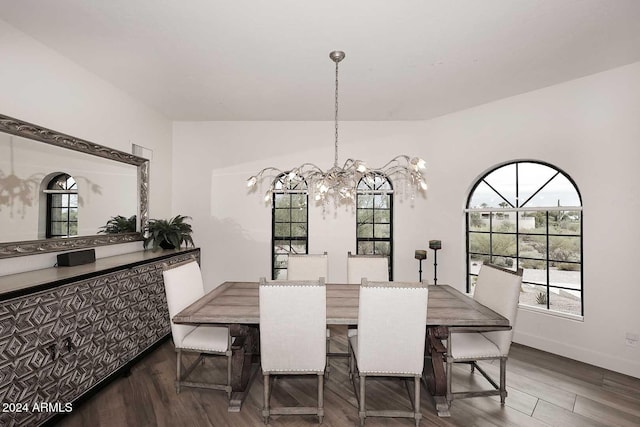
(289, 222)
(62, 206)
(520, 208)
(374, 217)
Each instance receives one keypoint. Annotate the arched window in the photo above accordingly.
(374, 217)
(529, 214)
(290, 223)
(62, 206)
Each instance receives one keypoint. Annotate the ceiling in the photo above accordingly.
(268, 60)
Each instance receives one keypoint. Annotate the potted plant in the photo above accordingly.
(119, 224)
(168, 234)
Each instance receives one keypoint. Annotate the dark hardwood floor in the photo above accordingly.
(544, 390)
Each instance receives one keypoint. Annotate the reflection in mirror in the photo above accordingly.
(46, 191)
(58, 192)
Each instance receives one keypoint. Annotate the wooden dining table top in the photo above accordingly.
(238, 303)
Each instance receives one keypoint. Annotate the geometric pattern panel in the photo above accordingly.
(57, 344)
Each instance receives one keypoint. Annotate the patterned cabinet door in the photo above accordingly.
(103, 350)
(152, 322)
(28, 350)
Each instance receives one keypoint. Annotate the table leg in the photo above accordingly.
(244, 363)
(435, 375)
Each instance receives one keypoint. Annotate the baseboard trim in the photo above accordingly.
(581, 354)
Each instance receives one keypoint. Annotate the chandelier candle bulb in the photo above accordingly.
(341, 183)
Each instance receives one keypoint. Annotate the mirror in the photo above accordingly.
(58, 192)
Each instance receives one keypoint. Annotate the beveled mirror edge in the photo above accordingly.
(32, 247)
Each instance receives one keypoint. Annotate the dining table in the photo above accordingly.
(236, 304)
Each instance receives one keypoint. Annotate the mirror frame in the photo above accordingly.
(48, 136)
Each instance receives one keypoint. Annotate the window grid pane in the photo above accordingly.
(62, 208)
(547, 244)
(374, 218)
(289, 224)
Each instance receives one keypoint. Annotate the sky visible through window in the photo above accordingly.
(548, 188)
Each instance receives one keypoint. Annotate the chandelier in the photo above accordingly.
(341, 183)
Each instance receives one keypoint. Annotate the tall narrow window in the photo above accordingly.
(290, 223)
(374, 218)
(62, 206)
(529, 215)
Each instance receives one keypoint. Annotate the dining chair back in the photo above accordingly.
(183, 286)
(499, 290)
(371, 267)
(307, 266)
(293, 320)
(392, 319)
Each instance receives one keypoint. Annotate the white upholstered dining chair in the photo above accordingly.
(374, 268)
(370, 267)
(392, 318)
(293, 320)
(307, 266)
(310, 267)
(498, 289)
(183, 286)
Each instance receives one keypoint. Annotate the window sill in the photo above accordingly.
(575, 317)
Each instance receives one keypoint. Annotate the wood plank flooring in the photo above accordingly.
(544, 390)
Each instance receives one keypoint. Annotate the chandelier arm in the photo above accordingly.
(396, 159)
(267, 169)
(349, 163)
(311, 165)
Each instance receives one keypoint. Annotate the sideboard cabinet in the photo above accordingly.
(64, 332)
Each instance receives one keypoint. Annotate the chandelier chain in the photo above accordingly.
(335, 163)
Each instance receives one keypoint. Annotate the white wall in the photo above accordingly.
(587, 127)
(42, 87)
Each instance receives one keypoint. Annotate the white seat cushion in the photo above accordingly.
(207, 338)
(472, 345)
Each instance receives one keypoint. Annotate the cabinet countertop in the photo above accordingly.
(21, 283)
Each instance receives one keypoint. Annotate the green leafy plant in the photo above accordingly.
(168, 234)
(119, 224)
(541, 298)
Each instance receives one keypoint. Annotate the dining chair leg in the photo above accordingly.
(328, 367)
(320, 398)
(178, 368)
(503, 380)
(350, 363)
(449, 372)
(416, 399)
(363, 411)
(265, 408)
(228, 388)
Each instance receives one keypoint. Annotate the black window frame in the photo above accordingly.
(546, 211)
(284, 187)
(53, 189)
(366, 188)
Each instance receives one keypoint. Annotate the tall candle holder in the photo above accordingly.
(421, 255)
(435, 245)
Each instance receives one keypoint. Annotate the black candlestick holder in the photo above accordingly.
(420, 255)
(435, 245)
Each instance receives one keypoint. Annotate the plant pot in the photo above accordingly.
(166, 245)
